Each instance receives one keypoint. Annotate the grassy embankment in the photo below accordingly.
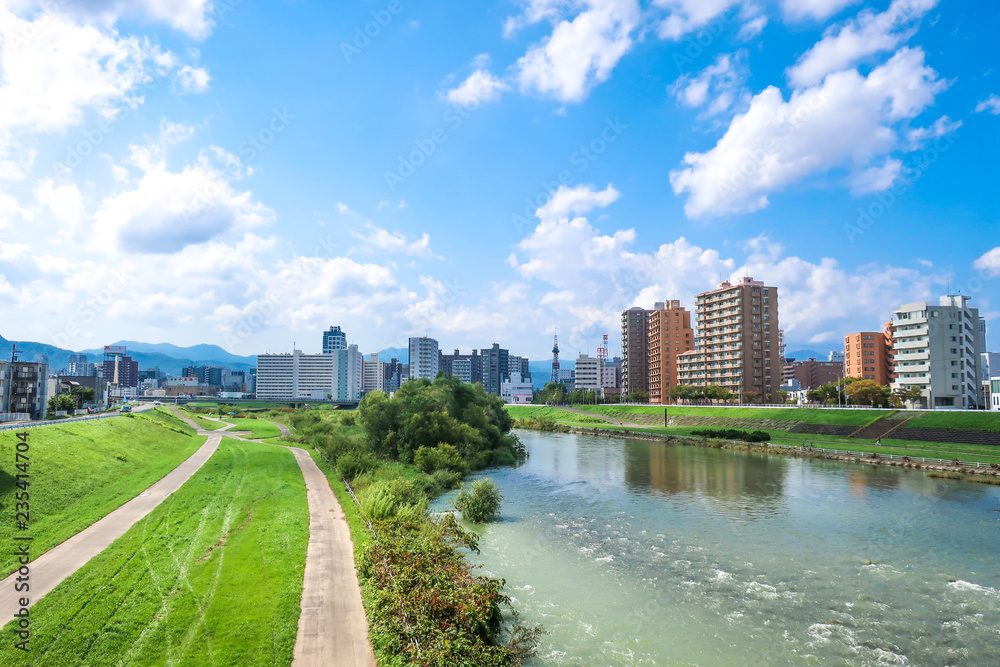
(213, 576)
(258, 428)
(859, 418)
(82, 471)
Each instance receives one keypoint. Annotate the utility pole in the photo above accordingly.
(10, 376)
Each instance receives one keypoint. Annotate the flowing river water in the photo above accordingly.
(632, 552)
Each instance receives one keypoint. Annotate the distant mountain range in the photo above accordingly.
(168, 358)
(802, 355)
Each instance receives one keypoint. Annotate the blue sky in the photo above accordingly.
(248, 174)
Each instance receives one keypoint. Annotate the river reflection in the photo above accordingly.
(633, 552)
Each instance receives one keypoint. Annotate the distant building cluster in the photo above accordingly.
(342, 373)
(938, 349)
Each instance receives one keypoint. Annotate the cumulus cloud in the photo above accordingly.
(192, 79)
(480, 87)
(991, 104)
(385, 241)
(869, 33)
(849, 121)
(718, 87)
(989, 262)
(576, 200)
(813, 10)
(193, 17)
(580, 53)
(684, 16)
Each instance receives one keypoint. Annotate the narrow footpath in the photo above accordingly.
(333, 628)
(54, 566)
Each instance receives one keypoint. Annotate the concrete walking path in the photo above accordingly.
(55, 565)
(333, 628)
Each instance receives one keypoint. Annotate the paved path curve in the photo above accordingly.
(55, 565)
(333, 628)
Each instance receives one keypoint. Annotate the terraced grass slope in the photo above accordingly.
(963, 421)
(213, 576)
(547, 412)
(806, 415)
(82, 471)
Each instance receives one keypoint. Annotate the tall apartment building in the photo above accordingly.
(495, 367)
(372, 374)
(868, 355)
(588, 373)
(668, 334)
(938, 348)
(394, 374)
(423, 358)
(465, 367)
(739, 347)
(23, 387)
(518, 364)
(635, 348)
(119, 369)
(347, 374)
(334, 339)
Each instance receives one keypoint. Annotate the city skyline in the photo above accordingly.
(247, 175)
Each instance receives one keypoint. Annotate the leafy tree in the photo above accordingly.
(554, 393)
(911, 396)
(866, 392)
(62, 402)
(715, 392)
(580, 396)
(750, 397)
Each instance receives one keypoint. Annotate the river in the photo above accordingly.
(643, 553)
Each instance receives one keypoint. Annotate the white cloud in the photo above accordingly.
(685, 16)
(718, 87)
(577, 200)
(846, 45)
(190, 16)
(580, 53)
(991, 104)
(876, 178)
(813, 10)
(847, 122)
(989, 262)
(192, 79)
(919, 136)
(64, 202)
(377, 238)
(480, 87)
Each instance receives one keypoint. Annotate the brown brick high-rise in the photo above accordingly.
(669, 334)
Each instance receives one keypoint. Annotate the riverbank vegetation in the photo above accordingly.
(424, 603)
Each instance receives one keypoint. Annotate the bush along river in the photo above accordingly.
(633, 552)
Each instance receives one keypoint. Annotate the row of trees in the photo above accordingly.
(855, 391)
(555, 393)
(71, 400)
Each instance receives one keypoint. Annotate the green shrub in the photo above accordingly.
(352, 464)
(733, 434)
(348, 419)
(442, 457)
(447, 479)
(481, 503)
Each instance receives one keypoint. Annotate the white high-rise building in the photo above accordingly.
(836, 356)
(588, 373)
(423, 358)
(294, 376)
(937, 347)
(347, 374)
(373, 374)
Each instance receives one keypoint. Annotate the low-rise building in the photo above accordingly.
(516, 390)
(23, 390)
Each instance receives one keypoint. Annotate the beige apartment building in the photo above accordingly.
(669, 333)
(739, 343)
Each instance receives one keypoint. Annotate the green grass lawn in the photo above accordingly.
(207, 424)
(82, 471)
(259, 428)
(858, 418)
(167, 418)
(964, 421)
(544, 411)
(213, 576)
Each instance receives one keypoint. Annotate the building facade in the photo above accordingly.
(495, 367)
(811, 374)
(669, 334)
(334, 339)
(516, 390)
(23, 390)
(294, 376)
(372, 374)
(465, 367)
(394, 374)
(347, 374)
(635, 348)
(937, 347)
(588, 373)
(424, 360)
(119, 369)
(868, 355)
(739, 347)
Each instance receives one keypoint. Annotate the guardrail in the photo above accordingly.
(69, 420)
